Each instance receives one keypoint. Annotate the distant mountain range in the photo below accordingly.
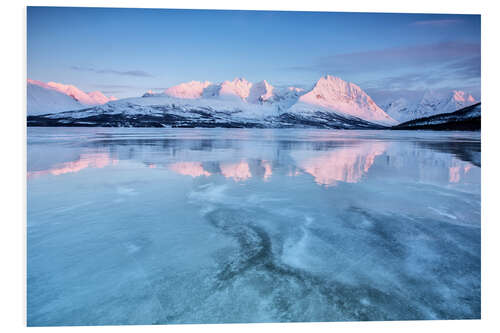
(431, 103)
(468, 118)
(330, 103)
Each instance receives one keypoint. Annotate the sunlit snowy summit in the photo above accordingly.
(55, 97)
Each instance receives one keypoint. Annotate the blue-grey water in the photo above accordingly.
(157, 226)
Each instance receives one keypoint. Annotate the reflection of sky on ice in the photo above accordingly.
(160, 226)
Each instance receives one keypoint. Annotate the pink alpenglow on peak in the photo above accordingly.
(188, 90)
(39, 83)
(334, 94)
(239, 88)
(73, 91)
(42, 99)
(463, 97)
(99, 98)
(434, 102)
(92, 98)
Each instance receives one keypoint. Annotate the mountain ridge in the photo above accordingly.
(465, 119)
(431, 103)
(329, 94)
(330, 103)
(43, 97)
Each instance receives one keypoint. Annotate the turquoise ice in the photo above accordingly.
(159, 226)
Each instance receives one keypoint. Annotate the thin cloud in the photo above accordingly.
(465, 68)
(429, 79)
(393, 58)
(409, 69)
(412, 80)
(383, 96)
(436, 23)
(399, 57)
(136, 73)
(465, 72)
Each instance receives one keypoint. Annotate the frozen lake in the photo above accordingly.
(157, 226)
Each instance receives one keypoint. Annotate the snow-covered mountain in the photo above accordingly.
(42, 99)
(188, 90)
(260, 92)
(329, 96)
(55, 97)
(431, 103)
(238, 89)
(98, 98)
(333, 94)
(330, 103)
(467, 118)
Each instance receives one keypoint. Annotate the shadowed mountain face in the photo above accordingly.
(431, 103)
(204, 117)
(466, 119)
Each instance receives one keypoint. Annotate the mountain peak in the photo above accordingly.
(330, 93)
(260, 92)
(462, 97)
(334, 80)
(43, 99)
(239, 87)
(432, 102)
(336, 95)
(92, 98)
(188, 90)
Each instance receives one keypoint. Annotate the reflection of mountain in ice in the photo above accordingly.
(193, 169)
(89, 160)
(217, 226)
(344, 164)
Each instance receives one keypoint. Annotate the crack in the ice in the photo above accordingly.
(255, 253)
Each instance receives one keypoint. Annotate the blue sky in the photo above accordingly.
(124, 52)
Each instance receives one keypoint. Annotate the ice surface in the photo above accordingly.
(157, 226)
